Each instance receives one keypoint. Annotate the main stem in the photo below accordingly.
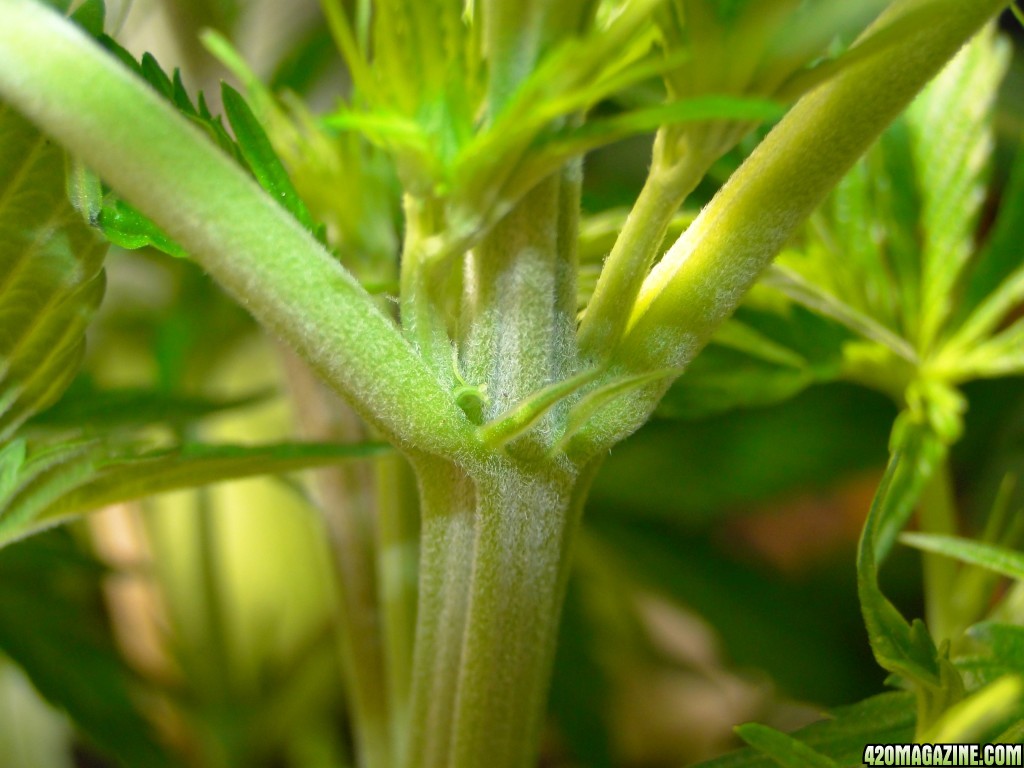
(497, 528)
(495, 545)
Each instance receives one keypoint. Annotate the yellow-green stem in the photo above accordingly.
(666, 187)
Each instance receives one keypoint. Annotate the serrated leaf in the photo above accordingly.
(51, 277)
(124, 226)
(951, 126)
(1001, 560)
(884, 719)
(88, 479)
(784, 750)
(260, 156)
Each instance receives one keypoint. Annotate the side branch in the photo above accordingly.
(81, 96)
(703, 277)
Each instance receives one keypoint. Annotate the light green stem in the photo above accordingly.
(494, 562)
(448, 501)
(512, 615)
(666, 187)
(705, 274)
(79, 94)
(422, 310)
(937, 514)
(397, 568)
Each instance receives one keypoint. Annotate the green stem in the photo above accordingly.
(346, 495)
(706, 273)
(421, 311)
(666, 187)
(397, 567)
(494, 564)
(448, 500)
(937, 514)
(79, 94)
(515, 596)
(212, 594)
(519, 334)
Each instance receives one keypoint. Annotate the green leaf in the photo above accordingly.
(998, 559)
(51, 277)
(950, 123)
(128, 228)
(90, 15)
(884, 719)
(85, 408)
(79, 478)
(1000, 651)
(124, 226)
(786, 751)
(50, 626)
(260, 156)
(764, 355)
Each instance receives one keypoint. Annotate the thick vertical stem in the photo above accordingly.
(496, 530)
(448, 499)
(494, 558)
(511, 627)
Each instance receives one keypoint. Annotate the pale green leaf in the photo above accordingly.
(812, 296)
(950, 124)
(786, 751)
(51, 278)
(1001, 560)
(971, 719)
(884, 719)
(85, 478)
(260, 156)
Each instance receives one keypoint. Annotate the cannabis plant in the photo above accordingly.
(421, 246)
